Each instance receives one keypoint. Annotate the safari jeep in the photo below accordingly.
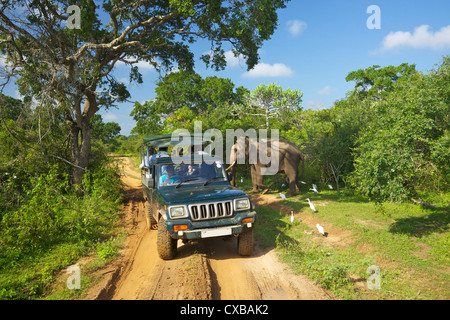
(192, 200)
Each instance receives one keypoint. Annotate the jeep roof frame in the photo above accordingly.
(166, 140)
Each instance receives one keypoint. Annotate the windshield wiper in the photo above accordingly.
(211, 179)
(190, 179)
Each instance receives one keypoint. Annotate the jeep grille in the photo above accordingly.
(214, 210)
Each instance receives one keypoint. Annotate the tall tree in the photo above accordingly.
(183, 97)
(72, 67)
(273, 100)
(376, 82)
(105, 132)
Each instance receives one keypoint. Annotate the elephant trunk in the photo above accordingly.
(233, 175)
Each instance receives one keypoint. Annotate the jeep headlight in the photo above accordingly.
(241, 204)
(178, 211)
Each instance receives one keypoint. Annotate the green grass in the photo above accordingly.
(409, 243)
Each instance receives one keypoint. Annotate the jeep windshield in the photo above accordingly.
(185, 174)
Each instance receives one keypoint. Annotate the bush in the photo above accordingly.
(53, 227)
(38, 222)
(403, 151)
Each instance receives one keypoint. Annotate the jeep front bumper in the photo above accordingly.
(211, 228)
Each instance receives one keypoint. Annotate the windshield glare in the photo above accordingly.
(174, 174)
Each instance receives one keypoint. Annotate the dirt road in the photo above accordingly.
(206, 270)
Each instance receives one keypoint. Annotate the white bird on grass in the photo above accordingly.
(330, 186)
(292, 216)
(314, 188)
(320, 228)
(282, 196)
(311, 205)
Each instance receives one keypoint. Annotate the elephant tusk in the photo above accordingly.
(234, 162)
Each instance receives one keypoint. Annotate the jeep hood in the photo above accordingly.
(200, 194)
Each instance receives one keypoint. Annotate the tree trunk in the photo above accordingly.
(80, 138)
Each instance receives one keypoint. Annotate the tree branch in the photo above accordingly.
(114, 44)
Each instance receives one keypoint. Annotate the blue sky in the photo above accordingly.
(315, 46)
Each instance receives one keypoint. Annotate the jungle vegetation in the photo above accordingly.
(60, 194)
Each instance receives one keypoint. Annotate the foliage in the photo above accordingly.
(51, 213)
(388, 138)
(71, 68)
(400, 151)
(51, 220)
(273, 101)
(376, 82)
(44, 225)
(184, 97)
(106, 132)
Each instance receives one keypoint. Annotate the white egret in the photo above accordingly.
(320, 228)
(282, 196)
(292, 216)
(314, 188)
(311, 205)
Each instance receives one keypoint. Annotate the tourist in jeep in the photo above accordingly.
(168, 176)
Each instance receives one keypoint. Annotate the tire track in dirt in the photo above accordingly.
(208, 269)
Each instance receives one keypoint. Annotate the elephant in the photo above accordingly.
(289, 156)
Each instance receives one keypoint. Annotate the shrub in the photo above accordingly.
(53, 227)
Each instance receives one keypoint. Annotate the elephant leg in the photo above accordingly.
(287, 181)
(260, 180)
(293, 188)
(292, 191)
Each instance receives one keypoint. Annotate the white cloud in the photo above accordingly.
(145, 65)
(262, 70)
(142, 65)
(296, 27)
(420, 38)
(326, 90)
(232, 60)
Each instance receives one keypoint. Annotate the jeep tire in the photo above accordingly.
(167, 246)
(245, 243)
(151, 222)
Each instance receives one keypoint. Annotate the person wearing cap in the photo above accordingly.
(167, 175)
